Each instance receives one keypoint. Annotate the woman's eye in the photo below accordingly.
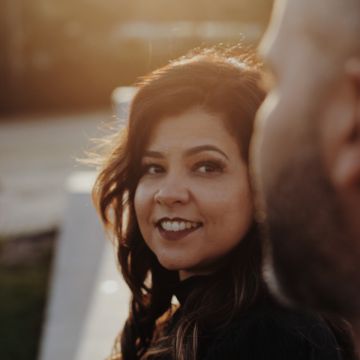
(209, 167)
(152, 169)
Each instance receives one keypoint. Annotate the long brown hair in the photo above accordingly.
(220, 83)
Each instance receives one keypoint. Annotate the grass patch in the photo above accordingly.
(24, 287)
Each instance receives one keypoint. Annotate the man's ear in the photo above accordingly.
(347, 168)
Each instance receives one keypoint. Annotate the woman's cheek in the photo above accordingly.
(143, 201)
(139, 202)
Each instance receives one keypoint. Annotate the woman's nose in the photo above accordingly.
(171, 193)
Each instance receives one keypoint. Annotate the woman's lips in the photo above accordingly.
(175, 235)
(176, 228)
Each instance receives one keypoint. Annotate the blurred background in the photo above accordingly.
(60, 62)
(66, 55)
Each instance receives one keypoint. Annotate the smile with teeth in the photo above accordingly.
(178, 225)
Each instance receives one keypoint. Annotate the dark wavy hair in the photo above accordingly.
(219, 82)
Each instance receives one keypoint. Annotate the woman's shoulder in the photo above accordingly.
(271, 331)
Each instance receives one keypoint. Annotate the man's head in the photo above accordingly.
(306, 154)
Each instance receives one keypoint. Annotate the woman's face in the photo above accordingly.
(192, 203)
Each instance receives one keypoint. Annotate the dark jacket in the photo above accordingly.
(270, 331)
(267, 331)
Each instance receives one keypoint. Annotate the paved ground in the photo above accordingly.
(88, 301)
(36, 156)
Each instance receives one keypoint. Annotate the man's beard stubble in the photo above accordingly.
(307, 239)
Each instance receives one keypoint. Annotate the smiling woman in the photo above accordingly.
(180, 202)
(174, 190)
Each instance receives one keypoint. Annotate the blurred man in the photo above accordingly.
(306, 155)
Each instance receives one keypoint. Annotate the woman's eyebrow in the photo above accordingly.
(153, 154)
(200, 148)
(189, 152)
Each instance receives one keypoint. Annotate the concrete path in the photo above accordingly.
(88, 301)
(36, 157)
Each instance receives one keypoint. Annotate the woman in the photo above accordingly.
(174, 190)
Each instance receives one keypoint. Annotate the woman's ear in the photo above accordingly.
(346, 170)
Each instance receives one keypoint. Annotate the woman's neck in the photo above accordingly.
(184, 274)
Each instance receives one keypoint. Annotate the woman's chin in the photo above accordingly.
(184, 267)
(169, 264)
(173, 263)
